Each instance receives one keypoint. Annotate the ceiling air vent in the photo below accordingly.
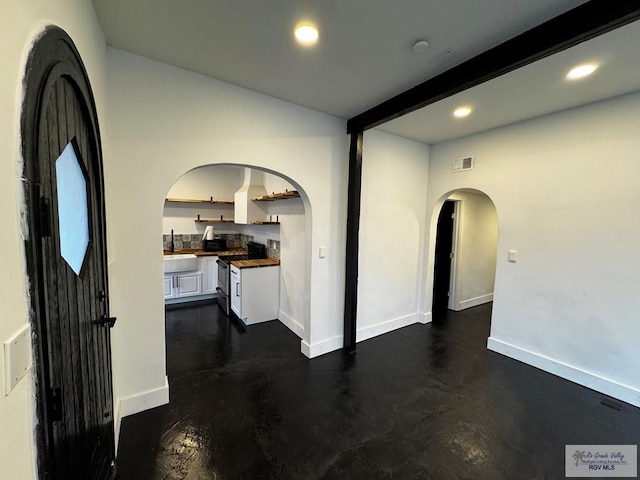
(462, 164)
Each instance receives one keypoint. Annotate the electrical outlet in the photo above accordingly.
(17, 358)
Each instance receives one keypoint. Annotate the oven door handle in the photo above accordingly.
(222, 264)
(220, 292)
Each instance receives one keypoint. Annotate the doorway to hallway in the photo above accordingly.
(443, 259)
(465, 252)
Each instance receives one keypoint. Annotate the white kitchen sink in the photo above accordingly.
(180, 263)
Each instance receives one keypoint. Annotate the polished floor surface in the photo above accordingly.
(423, 402)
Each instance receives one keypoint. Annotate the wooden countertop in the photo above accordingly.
(262, 262)
(198, 252)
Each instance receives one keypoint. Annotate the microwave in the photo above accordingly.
(215, 245)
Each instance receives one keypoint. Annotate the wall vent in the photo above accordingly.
(463, 163)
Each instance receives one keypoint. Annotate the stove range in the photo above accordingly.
(254, 251)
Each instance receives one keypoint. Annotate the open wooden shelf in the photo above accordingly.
(213, 220)
(277, 196)
(193, 200)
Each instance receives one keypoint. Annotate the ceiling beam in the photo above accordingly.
(582, 23)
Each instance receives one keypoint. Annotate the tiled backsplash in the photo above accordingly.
(182, 240)
(234, 240)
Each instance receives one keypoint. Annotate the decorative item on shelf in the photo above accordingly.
(277, 196)
(270, 222)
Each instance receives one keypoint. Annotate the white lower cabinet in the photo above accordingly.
(255, 293)
(188, 284)
(194, 285)
(181, 285)
(169, 282)
(209, 269)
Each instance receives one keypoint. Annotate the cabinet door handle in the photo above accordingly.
(237, 285)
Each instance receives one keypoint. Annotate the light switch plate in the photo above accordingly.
(513, 256)
(322, 252)
(17, 358)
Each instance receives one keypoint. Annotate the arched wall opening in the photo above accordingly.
(289, 239)
(471, 251)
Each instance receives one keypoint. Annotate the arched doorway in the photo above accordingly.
(280, 220)
(466, 241)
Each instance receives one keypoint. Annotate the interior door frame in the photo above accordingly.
(455, 244)
(53, 51)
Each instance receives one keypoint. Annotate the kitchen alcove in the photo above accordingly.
(255, 205)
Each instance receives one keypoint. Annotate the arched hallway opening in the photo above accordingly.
(466, 242)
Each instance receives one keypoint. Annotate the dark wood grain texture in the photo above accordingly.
(73, 360)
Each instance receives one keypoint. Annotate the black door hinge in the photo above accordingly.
(55, 404)
(45, 217)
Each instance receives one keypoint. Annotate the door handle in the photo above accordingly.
(104, 320)
(237, 285)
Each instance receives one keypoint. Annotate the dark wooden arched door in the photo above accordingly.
(67, 264)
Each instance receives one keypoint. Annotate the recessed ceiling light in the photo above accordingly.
(306, 34)
(461, 112)
(581, 71)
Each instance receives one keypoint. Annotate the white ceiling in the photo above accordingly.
(532, 91)
(364, 55)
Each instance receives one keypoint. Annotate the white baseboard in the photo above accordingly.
(320, 348)
(195, 298)
(385, 327)
(291, 324)
(587, 379)
(336, 343)
(142, 401)
(474, 302)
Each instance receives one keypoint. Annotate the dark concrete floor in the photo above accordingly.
(423, 402)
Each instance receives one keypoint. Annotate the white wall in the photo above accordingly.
(21, 23)
(566, 190)
(392, 233)
(217, 181)
(275, 184)
(475, 248)
(162, 115)
(295, 257)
